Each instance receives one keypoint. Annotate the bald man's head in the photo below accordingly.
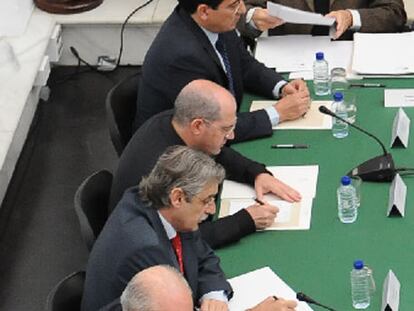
(157, 288)
(202, 99)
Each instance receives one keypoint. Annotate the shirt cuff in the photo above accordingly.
(356, 20)
(249, 18)
(215, 295)
(273, 115)
(278, 88)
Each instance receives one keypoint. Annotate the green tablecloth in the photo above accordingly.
(318, 261)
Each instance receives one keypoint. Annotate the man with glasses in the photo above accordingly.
(203, 119)
(157, 223)
(198, 41)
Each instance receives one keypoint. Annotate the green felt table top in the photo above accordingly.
(318, 261)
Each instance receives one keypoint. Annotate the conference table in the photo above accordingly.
(318, 261)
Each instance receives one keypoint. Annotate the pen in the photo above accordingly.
(367, 85)
(259, 201)
(290, 146)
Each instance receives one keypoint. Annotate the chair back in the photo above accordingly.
(67, 294)
(91, 205)
(121, 107)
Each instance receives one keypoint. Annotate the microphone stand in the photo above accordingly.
(302, 297)
(380, 168)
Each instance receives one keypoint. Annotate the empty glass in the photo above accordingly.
(339, 83)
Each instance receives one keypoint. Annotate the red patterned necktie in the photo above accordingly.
(178, 248)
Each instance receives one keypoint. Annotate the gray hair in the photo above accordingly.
(196, 101)
(179, 167)
(137, 294)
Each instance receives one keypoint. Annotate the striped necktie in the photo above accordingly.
(178, 249)
(221, 48)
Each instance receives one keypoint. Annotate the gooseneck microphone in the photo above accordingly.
(302, 297)
(380, 168)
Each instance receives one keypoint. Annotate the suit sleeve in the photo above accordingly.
(238, 167)
(247, 30)
(210, 276)
(227, 230)
(383, 16)
(232, 228)
(257, 78)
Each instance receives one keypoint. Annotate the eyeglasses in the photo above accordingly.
(207, 201)
(235, 6)
(226, 130)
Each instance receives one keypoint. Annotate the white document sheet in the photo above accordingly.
(296, 16)
(383, 54)
(297, 52)
(312, 120)
(399, 97)
(302, 178)
(255, 286)
(14, 16)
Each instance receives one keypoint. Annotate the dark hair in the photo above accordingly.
(191, 5)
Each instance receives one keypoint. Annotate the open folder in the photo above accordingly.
(312, 120)
(292, 216)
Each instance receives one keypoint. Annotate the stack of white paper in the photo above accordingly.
(383, 54)
(253, 287)
(297, 52)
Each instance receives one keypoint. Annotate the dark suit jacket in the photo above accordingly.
(134, 239)
(181, 53)
(376, 16)
(143, 151)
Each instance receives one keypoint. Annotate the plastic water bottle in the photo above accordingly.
(361, 279)
(347, 202)
(321, 75)
(339, 128)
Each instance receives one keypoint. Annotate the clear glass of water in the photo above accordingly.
(356, 181)
(339, 82)
(350, 103)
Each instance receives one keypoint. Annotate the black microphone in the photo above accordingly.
(380, 168)
(302, 297)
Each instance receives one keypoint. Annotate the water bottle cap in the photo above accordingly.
(319, 55)
(338, 96)
(345, 180)
(358, 264)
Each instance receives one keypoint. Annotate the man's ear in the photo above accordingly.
(202, 11)
(177, 197)
(196, 126)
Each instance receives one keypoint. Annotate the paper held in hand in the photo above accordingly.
(295, 16)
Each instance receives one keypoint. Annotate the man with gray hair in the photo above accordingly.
(204, 119)
(157, 223)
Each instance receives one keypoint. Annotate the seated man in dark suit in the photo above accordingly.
(157, 223)
(204, 118)
(350, 16)
(198, 41)
(164, 288)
